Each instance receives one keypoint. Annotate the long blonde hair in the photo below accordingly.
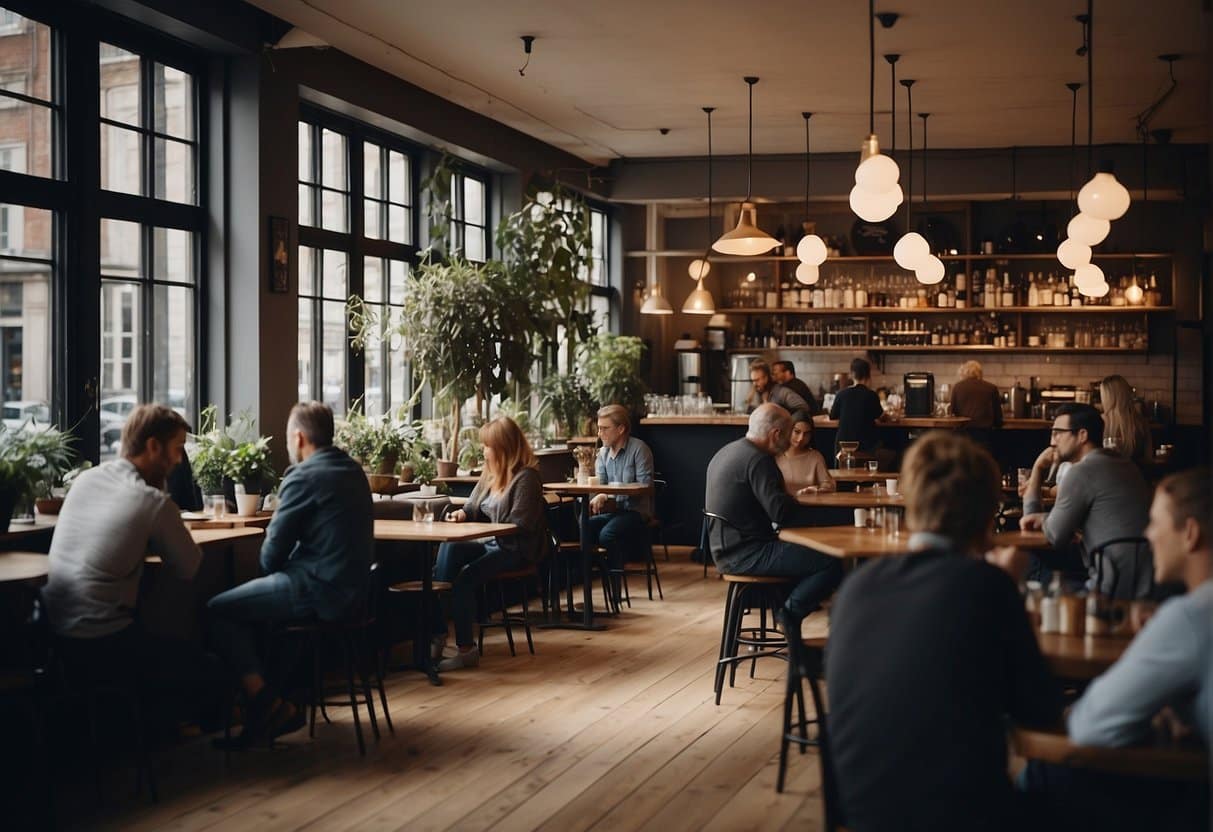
(1122, 419)
(512, 453)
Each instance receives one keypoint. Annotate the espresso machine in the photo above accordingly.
(920, 393)
(690, 372)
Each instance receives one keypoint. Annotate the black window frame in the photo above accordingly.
(354, 242)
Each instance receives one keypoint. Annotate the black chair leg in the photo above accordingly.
(379, 674)
(317, 692)
(526, 621)
(353, 698)
(507, 624)
(656, 580)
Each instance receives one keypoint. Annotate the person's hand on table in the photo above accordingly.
(1013, 561)
(809, 489)
(457, 516)
(1032, 522)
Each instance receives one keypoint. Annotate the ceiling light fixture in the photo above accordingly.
(700, 301)
(747, 238)
(656, 304)
(877, 194)
(912, 250)
(930, 270)
(811, 249)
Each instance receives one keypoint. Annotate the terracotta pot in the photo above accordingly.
(48, 505)
(447, 467)
(387, 465)
(407, 473)
(381, 483)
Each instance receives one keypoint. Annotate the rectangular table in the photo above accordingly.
(1170, 761)
(210, 538)
(196, 520)
(20, 534)
(1081, 658)
(849, 499)
(582, 494)
(854, 542)
(433, 533)
(861, 475)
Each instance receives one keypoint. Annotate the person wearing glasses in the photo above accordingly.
(1103, 496)
(620, 523)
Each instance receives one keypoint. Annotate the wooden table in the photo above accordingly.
(44, 524)
(917, 422)
(847, 541)
(433, 533)
(197, 521)
(24, 568)
(226, 537)
(1170, 762)
(1022, 540)
(1080, 658)
(460, 480)
(861, 475)
(849, 499)
(582, 494)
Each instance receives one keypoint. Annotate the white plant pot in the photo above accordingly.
(428, 491)
(246, 504)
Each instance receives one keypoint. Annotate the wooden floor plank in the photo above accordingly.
(604, 730)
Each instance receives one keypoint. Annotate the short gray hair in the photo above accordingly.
(766, 418)
(314, 420)
(970, 369)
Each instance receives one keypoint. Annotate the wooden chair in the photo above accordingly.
(352, 636)
(523, 578)
(1099, 558)
(806, 662)
(764, 592)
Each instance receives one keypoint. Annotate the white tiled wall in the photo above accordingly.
(1150, 374)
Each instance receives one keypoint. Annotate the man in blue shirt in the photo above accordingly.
(620, 524)
(316, 559)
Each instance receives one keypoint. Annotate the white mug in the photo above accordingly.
(861, 518)
(891, 486)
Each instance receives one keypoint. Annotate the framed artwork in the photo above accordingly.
(280, 255)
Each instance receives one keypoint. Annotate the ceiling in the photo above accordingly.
(604, 77)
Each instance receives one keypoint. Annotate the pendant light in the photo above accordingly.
(912, 250)
(877, 194)
(656, 304)
(811, 249)
(747, 238)
(700, 301)
(930, 270)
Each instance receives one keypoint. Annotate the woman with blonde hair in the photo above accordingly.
(1122, 420)
(509, 491)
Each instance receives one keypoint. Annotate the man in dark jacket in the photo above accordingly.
(316, 559)
(784, 373)
(746, 487)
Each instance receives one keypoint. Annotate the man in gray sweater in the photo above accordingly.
(1103, 496)
(746, 487)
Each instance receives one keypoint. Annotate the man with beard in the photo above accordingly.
(113, 517)
(1104, 497)
(316, 558)
(745, 486)
(767, 390)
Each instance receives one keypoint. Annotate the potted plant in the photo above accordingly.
(424, 471)
(249, 468)
(471, 451)
(377, 444)
(610, 368)
(223, 457)
(51, 454)
(569, 402)
(32, 463)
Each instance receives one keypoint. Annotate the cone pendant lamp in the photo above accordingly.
(747, 238)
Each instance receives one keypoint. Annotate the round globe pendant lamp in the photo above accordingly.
(811, 249)
(912, 250)
(747, 238)
(930, 270)
(877, 194)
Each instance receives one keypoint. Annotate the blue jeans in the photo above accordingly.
(466, 566)
(620, 533)
(819, 575)
(237, 615)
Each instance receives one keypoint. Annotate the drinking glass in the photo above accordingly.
(1023, 474)
(218, 506)
(892, 523)
(872, 466)
(423, 512)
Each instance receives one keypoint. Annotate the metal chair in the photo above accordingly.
(522, 577)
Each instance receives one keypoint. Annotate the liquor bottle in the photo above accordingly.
(1033, 291)
(848, 296)
(1008, 294)
(962, 291)
(1153, 295)
(941, 298)
(861, 297)
(1061, 295)
(990, 292)
(819, 296)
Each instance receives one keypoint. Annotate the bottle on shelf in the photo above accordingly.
(1033, 291)
(962, 291)
(1007, 298)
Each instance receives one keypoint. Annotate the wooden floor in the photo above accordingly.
(606, 730)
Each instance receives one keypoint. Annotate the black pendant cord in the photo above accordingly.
(1090, 87)
(1073, 87)
(749, 170)
(908, 83)
(893, 58)
(709, 111)
(871, 67)
(808, 163)
(924, 117)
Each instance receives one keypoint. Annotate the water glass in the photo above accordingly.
(872, 466)
(892, 523)
(218, 506)
(1023, 474)
(423, 512)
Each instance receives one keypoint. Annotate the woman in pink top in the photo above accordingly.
(804, 468)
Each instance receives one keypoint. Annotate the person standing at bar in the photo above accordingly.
(784, 374)
(978, 401)
(1122, 421)
(857, 409)
(620, 523)
(767, 390)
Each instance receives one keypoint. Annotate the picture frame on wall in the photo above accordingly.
(280, 255)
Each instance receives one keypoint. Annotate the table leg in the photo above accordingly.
(421, 639)
(587, 577)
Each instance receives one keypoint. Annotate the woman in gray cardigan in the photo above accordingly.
(509, 491)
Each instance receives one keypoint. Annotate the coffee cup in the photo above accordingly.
(594, 481)
(861, 518)
(891, 486)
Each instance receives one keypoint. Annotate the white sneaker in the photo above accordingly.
(460, 660)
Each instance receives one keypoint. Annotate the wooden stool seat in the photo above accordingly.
(757, 579)
(416, 586)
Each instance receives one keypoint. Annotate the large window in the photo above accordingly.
(601, 294)
(29, 112)
(149, 265)
(470, 216)
(357, 235)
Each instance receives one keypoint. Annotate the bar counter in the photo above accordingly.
(683, 445)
